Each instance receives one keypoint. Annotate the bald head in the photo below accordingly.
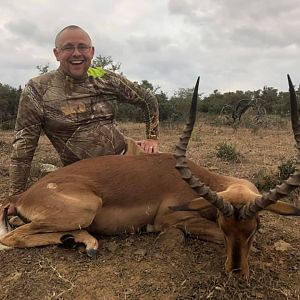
(74, 51)
(69, 28)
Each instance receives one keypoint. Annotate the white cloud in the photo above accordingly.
(231, 44)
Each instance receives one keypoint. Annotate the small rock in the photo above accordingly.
(261, 231)
(158, 255)
(281, 245)
(111, 246)
(150, 228)
(140, 252)
(213, 169)
(15, 276)
(46, 169)
(260, 295)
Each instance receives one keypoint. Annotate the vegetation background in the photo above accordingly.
(243, 134)
(173, 108)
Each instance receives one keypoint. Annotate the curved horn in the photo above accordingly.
(181, 163)
(293, 182)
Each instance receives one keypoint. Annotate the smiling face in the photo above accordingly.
(74, 50)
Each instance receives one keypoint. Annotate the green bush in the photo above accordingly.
(228, 152)
(265, 180)
(286, 169)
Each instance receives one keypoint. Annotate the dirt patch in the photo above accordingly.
(137, 267)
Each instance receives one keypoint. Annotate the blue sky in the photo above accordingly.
(233, 45)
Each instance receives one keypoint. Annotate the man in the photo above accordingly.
(72, 105)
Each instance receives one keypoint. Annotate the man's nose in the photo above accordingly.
(76, 51)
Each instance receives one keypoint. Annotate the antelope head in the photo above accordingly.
(240, 202)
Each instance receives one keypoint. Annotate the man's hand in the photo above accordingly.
(149, 146)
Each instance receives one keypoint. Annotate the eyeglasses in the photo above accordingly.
(82, 48)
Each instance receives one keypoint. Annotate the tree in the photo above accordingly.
(166, 110)
(126, 112)
(106, 62)
(43, 69)
(179, 104)
(9, 99)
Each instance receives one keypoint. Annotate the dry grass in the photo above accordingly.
(195, 271)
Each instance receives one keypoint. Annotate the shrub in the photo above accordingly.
(265, 180)
(228, 152)
(286, 169)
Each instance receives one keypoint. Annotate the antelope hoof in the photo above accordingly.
(92, 253)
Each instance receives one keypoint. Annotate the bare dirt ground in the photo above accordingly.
(136, 267)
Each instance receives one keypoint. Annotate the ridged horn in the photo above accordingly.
(287, 186)
(182, 166)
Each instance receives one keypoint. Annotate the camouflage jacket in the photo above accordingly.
(77, 117)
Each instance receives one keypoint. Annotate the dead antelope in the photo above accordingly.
(117, 194)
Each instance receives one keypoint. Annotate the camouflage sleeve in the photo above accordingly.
(27, 131)
(132, 93)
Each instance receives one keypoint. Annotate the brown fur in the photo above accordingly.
(118, 194)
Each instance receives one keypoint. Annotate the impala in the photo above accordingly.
(160, 192)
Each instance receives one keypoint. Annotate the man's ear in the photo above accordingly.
(55, 51)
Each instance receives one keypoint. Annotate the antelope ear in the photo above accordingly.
(283, 208)
(193, 205)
